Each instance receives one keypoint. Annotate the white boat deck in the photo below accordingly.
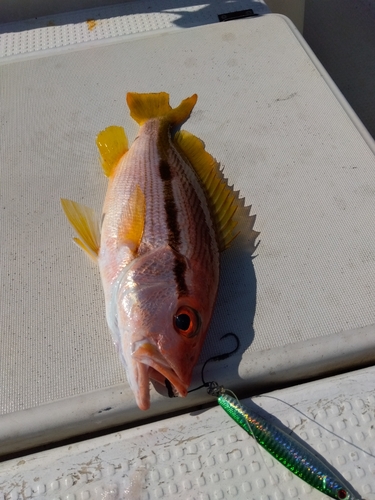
(204, 455)
(302, 308)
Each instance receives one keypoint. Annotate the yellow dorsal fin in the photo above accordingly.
(133, 220)
(85, 222)
(143, 107)
(112, 144)
(223, 202)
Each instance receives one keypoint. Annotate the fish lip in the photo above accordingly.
(147, 353)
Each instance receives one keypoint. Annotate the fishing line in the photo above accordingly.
(318, 424)
(219, 357)
(216, 390)
(297, 457)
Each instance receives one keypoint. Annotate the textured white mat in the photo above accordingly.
(287, 140)
(206, 456)
(105, 23)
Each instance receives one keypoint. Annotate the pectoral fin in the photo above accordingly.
(112, 144)
(133, 220)
(85, 222)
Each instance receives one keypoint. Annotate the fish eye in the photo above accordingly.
(186, 322)
(342, 494)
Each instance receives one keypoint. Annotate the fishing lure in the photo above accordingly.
(283, 447)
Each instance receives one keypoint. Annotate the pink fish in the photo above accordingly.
(167, 215)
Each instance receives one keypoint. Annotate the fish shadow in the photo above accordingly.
(236, 302)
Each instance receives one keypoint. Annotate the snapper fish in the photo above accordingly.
(167, 215)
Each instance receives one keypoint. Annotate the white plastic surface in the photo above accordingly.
(287, 140)
(205, 455)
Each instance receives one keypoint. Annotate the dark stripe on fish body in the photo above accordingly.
(165, 171)
(174, 237)
(179, 271)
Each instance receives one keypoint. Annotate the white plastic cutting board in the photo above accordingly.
(287, 140)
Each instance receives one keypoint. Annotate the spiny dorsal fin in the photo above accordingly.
(143, 107)
(133, 220)
(222, 200)
(85, 222)
(112, 144)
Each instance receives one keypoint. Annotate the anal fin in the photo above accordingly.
(84, 221)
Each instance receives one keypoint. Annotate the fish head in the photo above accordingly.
(161, 330)
(162, 341)
(168, 349)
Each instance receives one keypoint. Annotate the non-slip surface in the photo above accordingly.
(205, 455)
(288, 142)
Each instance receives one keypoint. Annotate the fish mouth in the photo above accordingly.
(153, 365)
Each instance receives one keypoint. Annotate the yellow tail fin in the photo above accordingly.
(143, 107)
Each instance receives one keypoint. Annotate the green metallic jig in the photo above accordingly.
(283, 447)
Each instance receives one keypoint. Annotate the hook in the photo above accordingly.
(213, 387)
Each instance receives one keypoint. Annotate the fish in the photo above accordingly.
(284, 447)
(168, 214)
